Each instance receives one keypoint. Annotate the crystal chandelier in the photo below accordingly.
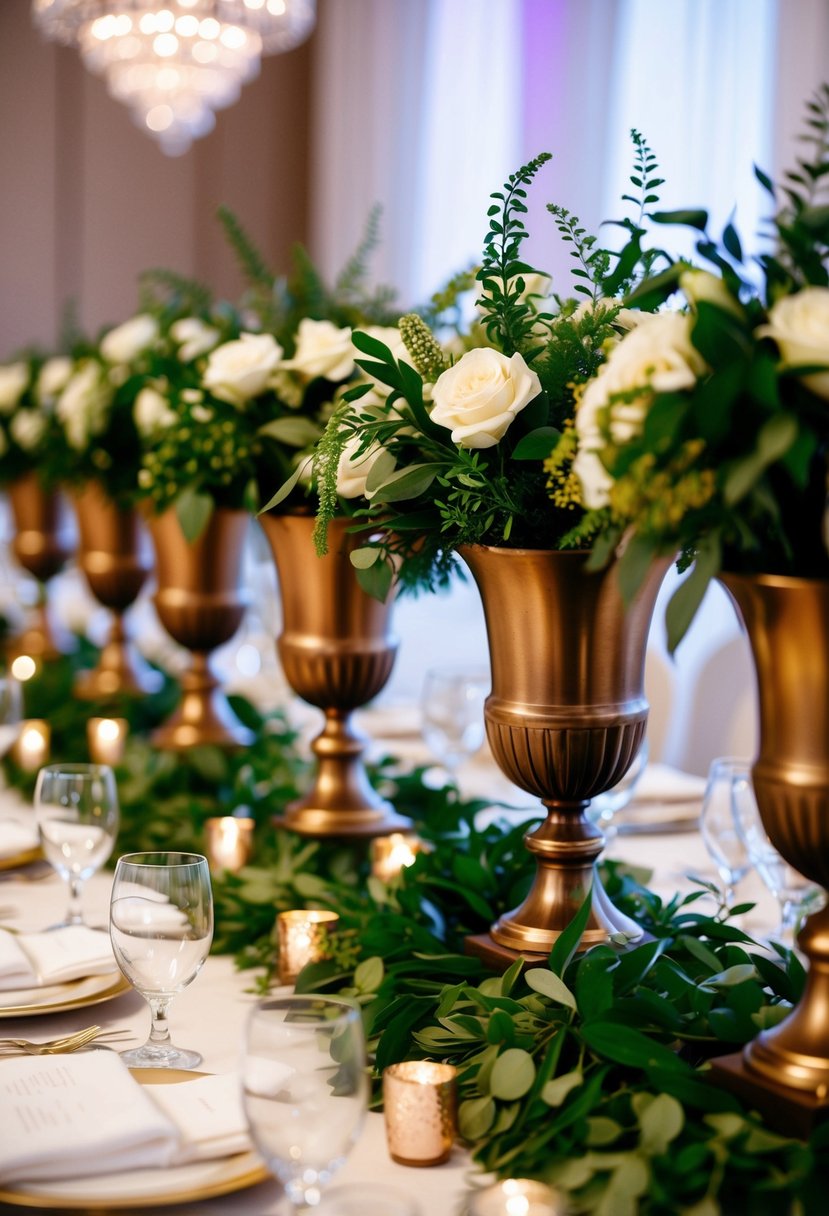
(174, 62)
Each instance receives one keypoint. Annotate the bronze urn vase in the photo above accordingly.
(565, 719)
(42, 544)
(337, 652)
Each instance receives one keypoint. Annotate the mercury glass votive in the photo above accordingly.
(31, 749)
(229, 842)
(517, 1197)
(106, 739)
(420, 1110)
(302, 935)
(391, 854)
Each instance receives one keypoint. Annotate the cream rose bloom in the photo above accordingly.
(799, 324)
(353, 469)
(479, 397)
(14, 377)
(26, 429)
(125, 342)
(83, 405)
(657, 356)
(53, 378)
(151, 411)
(239, 370)
(194, 337)
(700, 286)
(322, 350)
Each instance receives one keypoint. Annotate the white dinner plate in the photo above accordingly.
(54, 998)
(145, 1187)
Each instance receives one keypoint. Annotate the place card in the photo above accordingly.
(420, 1111)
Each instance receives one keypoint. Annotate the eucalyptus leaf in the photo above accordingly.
(475, 1117)
(512, 1074)
(555, 1091)
(193, 511)
(551, 985)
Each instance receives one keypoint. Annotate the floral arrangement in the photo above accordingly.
(453, 453)
(705, 432)
(30, 434)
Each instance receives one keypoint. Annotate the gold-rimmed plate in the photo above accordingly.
(56, 998)
(145, 1188)
(14, 861)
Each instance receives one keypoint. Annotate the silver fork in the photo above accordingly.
(69, 1042)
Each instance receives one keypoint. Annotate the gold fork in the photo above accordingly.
(69, 1042)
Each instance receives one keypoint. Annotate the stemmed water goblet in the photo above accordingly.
(10, 712)
(718, 824)
(305, 1089)
(452, 713)
(161, 927)
(76, 808)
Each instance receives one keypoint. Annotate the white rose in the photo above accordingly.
(26, 429)
(322, 350)
(625, 319)
(353, 469)
(152, 411)
(479, 397)
(14, 377)
(53, 378)
(657, 356)
(702, 286)
(83, 405)
(799, 324)
(240, 370)
(194, 336)
(125, 342)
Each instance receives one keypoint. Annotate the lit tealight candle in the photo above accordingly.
(420, 1110)
(31, 751)
(303, 938)
(229, 842)
(517, 1197)
(391, 854)
(106, 739)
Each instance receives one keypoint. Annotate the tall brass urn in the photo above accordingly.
(114, 555)
(201, 604)
(42, 544)
(787, 621)
(337, 652)
(565, 718)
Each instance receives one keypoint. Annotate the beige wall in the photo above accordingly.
(87, 201)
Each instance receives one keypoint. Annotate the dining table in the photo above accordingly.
(210, 1014)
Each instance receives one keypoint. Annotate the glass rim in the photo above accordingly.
(296, 1000)
(77, 768)
(182, 857)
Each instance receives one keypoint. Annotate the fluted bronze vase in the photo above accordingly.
(114, 555)
(337, 652)
(565, 718)
(42, 544)
(200, 602)
(787, 621)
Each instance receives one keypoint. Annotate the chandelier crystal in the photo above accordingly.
(175, 62)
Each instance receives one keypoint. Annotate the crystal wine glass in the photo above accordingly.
(792, 891)
(452, 713)
(161, 926)
(718, 824)
(305, 1089)
(76, 807)
(10, 712)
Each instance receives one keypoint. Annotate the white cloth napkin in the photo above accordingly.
(69, 1116)
(31, 960)
(17, 835)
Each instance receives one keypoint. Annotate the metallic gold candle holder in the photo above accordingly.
(31, 750)
(517, 1197)
(106, 739)
(391, 854)
(420, 1109)
(229, 842)
(302, 935)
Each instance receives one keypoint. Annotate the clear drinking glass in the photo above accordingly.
(76, 807)
(11, 711)
(305, 1089)
(161, 926)
(792, 891)
(452, 713)
(718, 823)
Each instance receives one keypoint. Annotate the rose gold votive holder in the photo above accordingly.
(303, 938)
(229, 842)
(517, 1197)
(391, 854)
(31, 748)
(420, 1109)
(106, 739)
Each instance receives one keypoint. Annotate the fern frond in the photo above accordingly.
(159, 287)
(251, 263)
(353, 275)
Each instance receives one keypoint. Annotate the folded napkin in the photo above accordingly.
(664, 784)
(31, 960)
(67, 1116)
(18, 834)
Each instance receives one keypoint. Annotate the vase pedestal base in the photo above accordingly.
(120, 672)
(499, 958)
(324, 823)
(792, 1112)
(203, 718)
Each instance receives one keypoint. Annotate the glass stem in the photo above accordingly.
(74, 915)
(160, 1032)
